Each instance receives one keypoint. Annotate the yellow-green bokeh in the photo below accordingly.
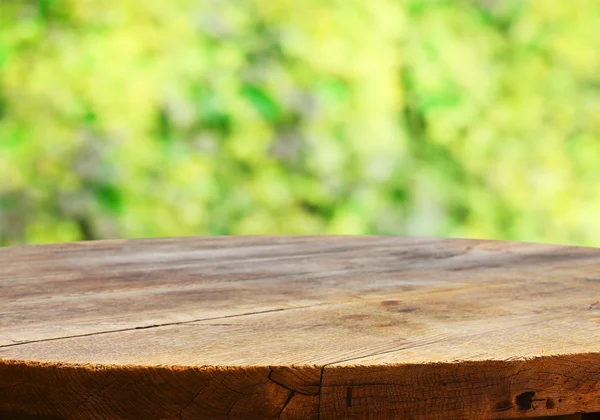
(128, 118)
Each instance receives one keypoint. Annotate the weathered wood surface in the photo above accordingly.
(299, 327)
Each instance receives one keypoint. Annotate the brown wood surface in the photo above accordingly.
(299, 327)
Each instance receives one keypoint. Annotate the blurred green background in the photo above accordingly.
(129, 118)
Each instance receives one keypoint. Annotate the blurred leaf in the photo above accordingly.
(108, 196)
(262, 102)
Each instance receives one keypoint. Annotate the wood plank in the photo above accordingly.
(299, 327)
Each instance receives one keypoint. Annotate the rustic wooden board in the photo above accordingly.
(299, 327)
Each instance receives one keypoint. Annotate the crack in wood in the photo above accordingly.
(167, 324)
(287, 401)
(320, 394)
(270, 377)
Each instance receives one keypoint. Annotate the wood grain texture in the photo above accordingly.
(299, 327)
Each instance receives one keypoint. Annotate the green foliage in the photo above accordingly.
(127, 118)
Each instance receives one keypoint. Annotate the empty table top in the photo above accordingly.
(299, 327)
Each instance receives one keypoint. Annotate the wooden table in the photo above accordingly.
(299, 328)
